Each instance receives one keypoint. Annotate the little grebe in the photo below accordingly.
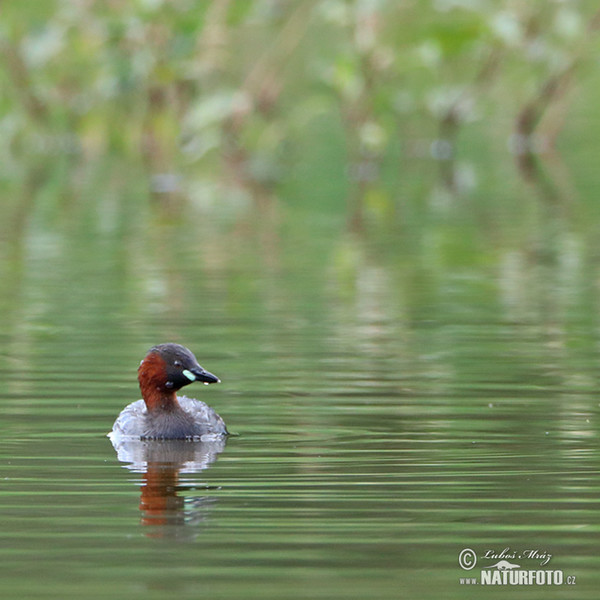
(161, 414)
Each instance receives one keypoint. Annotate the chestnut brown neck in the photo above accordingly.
(159, 400)
(152, 376)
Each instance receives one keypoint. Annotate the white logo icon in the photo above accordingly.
(503, 565)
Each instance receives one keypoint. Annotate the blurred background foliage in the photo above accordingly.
(390, 114)
(376, 220)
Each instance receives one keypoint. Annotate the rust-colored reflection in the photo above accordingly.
(163, 462)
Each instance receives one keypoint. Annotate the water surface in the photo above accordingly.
(387, 416)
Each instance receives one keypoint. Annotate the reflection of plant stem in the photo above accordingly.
(24, 208)
(552, 90)
(364, 162)
(453, 116)
(214, 34)
(17, 71)
(237, 159)
(267, 69)
(260, 91)
(37, 111)
(528, 120)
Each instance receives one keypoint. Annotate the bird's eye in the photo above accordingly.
(177, 363)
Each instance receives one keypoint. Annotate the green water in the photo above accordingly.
(377, 222)
(389, 413)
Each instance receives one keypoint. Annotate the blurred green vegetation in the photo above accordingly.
(390, 114)
(448, 146)
(358, 198)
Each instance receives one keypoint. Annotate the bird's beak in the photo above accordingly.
(199, 374)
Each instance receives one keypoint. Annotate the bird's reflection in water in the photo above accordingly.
(163, 463)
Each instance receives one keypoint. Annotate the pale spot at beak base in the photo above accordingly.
(189, 375)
